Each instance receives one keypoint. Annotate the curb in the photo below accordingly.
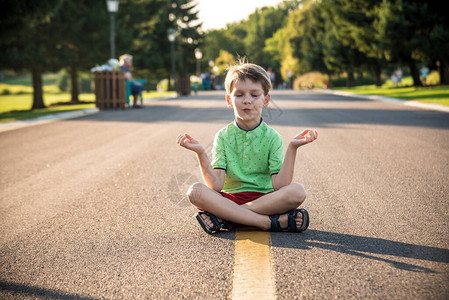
(171, 97)
(417, 104)
(47, 119)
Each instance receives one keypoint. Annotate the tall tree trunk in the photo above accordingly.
(377, 75)
(350, 79)
(415, 73)
(75, 85)
(444, 71)
(329, 85)
(38, 97)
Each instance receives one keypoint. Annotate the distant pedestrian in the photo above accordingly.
(249, 181)
(272, 76)
(398, 74)
(424, 73)
(126, 64)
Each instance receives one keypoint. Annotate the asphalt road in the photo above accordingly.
(95, 207)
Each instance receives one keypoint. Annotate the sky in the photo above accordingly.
(215, 14)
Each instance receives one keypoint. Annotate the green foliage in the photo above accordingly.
(74, 35)
(63, 82)
(433, 78)
(247, 38)
(163, 85)
(359, 79)
(223, 61)
(189, 37)
(341, 36)
(310, 80)
(437, 95)
(222, 40)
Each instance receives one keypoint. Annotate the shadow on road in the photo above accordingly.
(32, 291)
(365, 247)
(278, 114)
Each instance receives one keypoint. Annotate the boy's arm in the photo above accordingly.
(285, 175)
(214, 179)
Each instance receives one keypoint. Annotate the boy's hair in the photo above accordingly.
(242, 71)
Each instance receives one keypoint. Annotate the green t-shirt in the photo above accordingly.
(248, 157)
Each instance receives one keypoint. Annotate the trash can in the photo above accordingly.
(110, 89)
(183, 87)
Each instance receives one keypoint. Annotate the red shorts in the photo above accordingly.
(243, 197)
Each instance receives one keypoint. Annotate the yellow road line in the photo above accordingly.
(253, 272)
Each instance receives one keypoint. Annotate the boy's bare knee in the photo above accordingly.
(296, 194)
(194, 193)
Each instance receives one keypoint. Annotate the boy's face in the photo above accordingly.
(247, 99)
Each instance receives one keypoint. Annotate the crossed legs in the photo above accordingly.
(254, 213)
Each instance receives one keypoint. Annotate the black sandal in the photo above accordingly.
(217, 225)
(275, 226)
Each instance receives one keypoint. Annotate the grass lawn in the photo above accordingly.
(16, 104)
(438, 94)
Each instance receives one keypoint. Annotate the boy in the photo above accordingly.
(249, 181)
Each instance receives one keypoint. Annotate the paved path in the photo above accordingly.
(94, 207)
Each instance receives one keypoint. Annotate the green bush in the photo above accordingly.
(63, 81)
(362, 79)
(150, 85)
(310, 80)
(163, 85)
(433, 78)
(85, 83)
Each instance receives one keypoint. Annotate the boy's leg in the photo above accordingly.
(280, 202)
(209, 200)
(283, 200)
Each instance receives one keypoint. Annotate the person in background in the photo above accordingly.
(272, 78)
(126, 64)
(424, 72)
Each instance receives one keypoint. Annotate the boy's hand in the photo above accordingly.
(305, 137)
(188, 142)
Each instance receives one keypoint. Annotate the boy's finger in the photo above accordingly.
(181, 138)
(313, 134)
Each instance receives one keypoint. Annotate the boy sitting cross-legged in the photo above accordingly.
(249, 181)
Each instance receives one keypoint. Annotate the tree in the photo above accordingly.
(343, 41)
(438, 46)
(26, 38)
(189, 36)
(352, 25)
(404, 28)
(142, 31)
(262, 25)
(80, 37)
(308, 32)
(223, 61)
(222, 40)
